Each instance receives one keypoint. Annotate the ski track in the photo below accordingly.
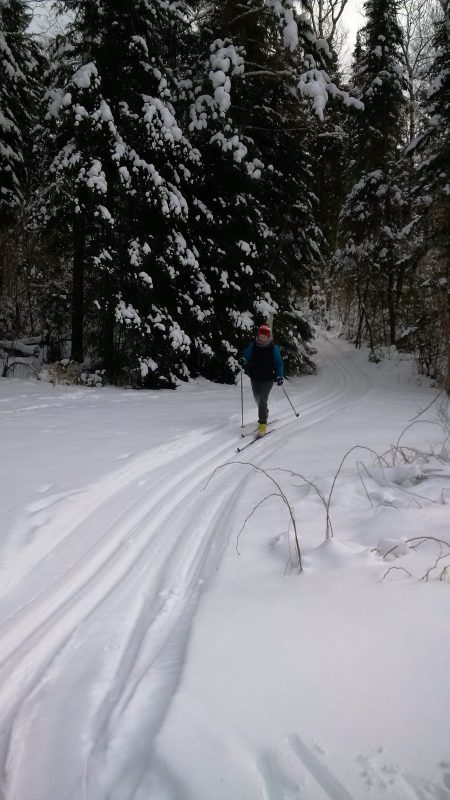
(128, 560)
(328, 782)
(280, 783)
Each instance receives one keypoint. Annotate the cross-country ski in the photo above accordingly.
(252, 441)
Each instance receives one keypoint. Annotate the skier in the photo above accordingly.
(263, 363)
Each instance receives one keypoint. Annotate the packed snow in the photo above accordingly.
(158, 641)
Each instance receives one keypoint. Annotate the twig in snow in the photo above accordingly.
(356, 447)
(422, 539)
(389, 551)
(360, 465)
(280, 494)
(389, 452)
(329, 530)
(267, 497)
(428, 406)
(416, 546)
(411, 425)
(415, 494)
(391, 568)
(415, 502)
(430, 569)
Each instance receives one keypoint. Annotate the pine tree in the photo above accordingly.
(179, 154)
(230, 225)
(263, 62)
(328, 150)
(122, 169)
(369, 260)
(15, 67)
(379, 79)
(20, 64)
(432, 191)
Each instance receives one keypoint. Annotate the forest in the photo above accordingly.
(173, 173)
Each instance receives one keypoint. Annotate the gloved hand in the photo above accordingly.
(279, 381)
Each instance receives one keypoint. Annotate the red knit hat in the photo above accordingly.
(264, 330)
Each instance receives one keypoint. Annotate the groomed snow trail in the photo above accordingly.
(96, 619)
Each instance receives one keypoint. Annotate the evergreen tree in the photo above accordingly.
(369, 260)
(229, 225)
(328, 150)
(178, 144)
(20, 64)
(266, 67)
(378, 78)
(121, 169)
(16, 68)
(432, 192)
(434, 139)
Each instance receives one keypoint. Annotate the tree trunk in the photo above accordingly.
(447, 324)
(391, 306)
(109, 353)
(79, 254)
(412, 108)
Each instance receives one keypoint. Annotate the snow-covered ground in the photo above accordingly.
(152, 649)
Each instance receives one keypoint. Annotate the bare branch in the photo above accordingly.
(260, 11)
(422, 539)
(267, 497)
(272, 73)
(280, 493)
(430, 570)
(356, 447)
(329, 529)
(417, 422)
(325, 18)
(445, 574)
(389, 551)
(399, 568)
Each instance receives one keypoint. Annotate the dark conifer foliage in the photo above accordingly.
(328, 150)
(372, 236)
(21, 65)
(122, 166)
(228, 222)
(434, 139)
(194, 167)
(431, 152)
(18, 62)
(379, 80)
(269, 239)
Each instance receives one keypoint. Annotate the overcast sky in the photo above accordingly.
(353, 19)
(44, 22)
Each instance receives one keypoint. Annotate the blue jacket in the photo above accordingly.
(277, 360)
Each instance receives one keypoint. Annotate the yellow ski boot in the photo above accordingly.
(262, 429)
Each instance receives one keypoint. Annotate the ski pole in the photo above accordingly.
(297, 414)
(242, 400)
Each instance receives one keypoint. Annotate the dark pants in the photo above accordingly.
(261, 391)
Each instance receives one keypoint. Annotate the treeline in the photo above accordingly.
(173, 173)
(390, 268)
